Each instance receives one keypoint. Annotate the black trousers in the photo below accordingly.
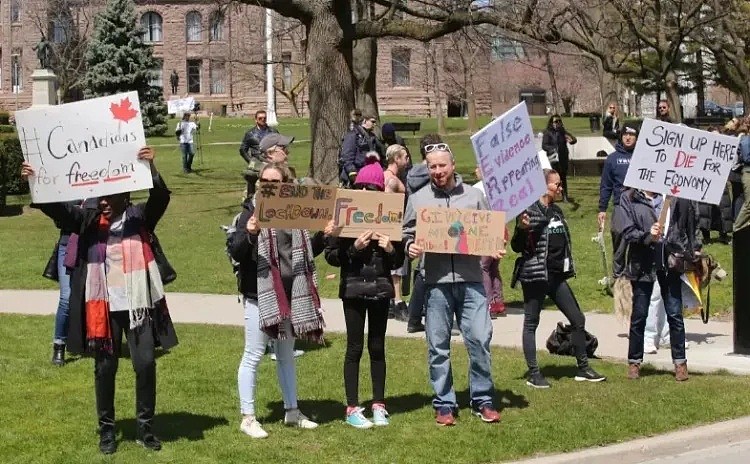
(417, 300)
(355, 311)
(141, 346)
(562, 168)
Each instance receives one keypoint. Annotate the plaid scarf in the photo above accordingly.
(143, 282)
(303, 311)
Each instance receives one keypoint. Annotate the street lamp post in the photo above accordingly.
(270, 92)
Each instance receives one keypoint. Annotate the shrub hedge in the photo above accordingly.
(11, 158)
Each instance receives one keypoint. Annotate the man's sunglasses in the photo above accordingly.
(663, 108)
(437, 147)
(261, 119)
(275, 181)
(556, 121)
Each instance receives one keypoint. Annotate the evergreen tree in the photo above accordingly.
(118, 60)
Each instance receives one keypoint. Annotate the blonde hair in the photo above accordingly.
(282, 168)
(392, 152)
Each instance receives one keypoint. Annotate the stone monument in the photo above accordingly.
(43, 79)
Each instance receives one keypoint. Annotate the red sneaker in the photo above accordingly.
(444, 417)
(488, 414)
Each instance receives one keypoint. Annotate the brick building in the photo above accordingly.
(217, 54)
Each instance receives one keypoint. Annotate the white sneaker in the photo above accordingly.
(649, 349)
(297, 354)
(251, 426)
(295, 418)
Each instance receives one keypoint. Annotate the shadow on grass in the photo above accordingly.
(173, 426)
(11, 210)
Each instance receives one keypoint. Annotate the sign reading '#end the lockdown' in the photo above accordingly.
(460, 231)
(511, 170)
(294, 206)
(359, 210)
(682, 162)
(84, 149)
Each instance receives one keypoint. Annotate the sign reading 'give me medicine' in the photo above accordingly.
(460, 231)
(682, 162)
(84, 149)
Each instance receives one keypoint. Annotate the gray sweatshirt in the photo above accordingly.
(439, 268)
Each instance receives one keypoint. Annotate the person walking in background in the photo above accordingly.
(116, 287)
(365, 289)
(493, 283)
(649, 249)
(356, 144)
(542, 238)
(611, 125)
(185, 130)
(278, 282)
(453, 287)
(555, 142)
(250, 146)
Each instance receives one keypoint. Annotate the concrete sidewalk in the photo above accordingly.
(710, 345)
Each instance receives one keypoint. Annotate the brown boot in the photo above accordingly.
(634, 371)
(681, 372)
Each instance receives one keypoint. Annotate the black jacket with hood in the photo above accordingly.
(365, 273)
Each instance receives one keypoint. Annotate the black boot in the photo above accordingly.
(58, 354)
(107, 442)
(402, 312)
(148, 440)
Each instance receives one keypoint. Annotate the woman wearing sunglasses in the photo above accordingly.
(546, 263)
(366, 289)
(278, 281)
(555, 142)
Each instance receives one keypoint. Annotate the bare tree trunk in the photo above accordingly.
(329, 70)
(673, 97)
(436, 87)
(552, 83)
(365, 56)
(471, 101)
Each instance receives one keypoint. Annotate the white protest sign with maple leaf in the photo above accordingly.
(84, 149)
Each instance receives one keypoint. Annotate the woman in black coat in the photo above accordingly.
(555, 142)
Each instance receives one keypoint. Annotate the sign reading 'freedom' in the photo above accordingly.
(675, 160)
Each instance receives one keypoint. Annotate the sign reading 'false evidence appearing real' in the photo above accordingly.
(682, 162)
(460, 231)
(294, 206)
(359, 210)
(511, 170)
(84, 149)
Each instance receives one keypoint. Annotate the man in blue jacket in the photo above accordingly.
(611, 186)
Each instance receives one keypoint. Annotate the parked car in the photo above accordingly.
(714, 109)
(739, 109)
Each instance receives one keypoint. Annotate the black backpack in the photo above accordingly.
(559, 342)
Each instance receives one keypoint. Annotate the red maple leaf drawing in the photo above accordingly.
(124, 112)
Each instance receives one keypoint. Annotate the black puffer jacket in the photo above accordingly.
(365, 273)
(532, 243)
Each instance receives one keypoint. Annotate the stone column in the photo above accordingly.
(43, 91)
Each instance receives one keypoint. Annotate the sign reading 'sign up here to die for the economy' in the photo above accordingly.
(509, 162)
(84, 149)
(460, 231)
(295, 206)
(682, 162)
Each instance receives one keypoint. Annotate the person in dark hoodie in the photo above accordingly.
(366, 289)
(611, 124)
(272, 263)
(543, 239)
(555, 142)
(611, 185)
(651, 250)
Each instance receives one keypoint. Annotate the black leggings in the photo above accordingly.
(559, 291)
(377, 318)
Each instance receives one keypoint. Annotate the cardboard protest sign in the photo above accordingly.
(360, 210)
(460, 231)
(510, 165)
(682, 162)
(181, 105)
(294, 206)
(84, 149)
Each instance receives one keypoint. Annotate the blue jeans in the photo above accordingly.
(469, 303)
(671, 292)
(187, 156)
(255, 347)
(63, 304)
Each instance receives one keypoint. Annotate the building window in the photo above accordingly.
(216, 31)
(15, 11)
(151, 24)
(217, 77)
(16, 72)
(157, 76)
(61, 26)
(286, 70)
(193, 26)
(506, 50)
(194, 75)
(400, 61)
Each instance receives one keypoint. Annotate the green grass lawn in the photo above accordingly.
(190, 234)
(48, 413)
